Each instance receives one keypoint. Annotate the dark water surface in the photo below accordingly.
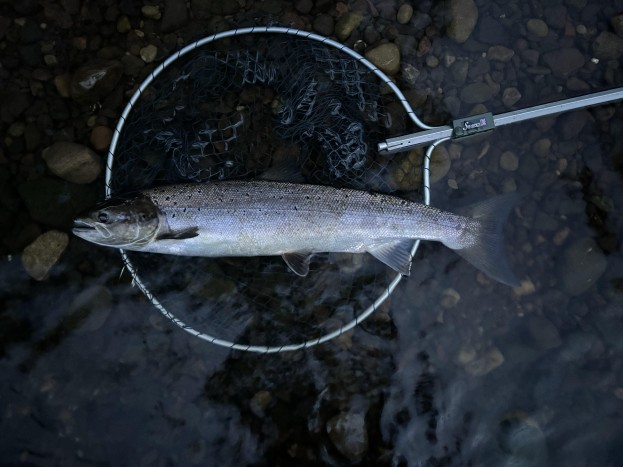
(453, 370)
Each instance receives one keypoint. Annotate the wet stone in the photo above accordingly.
(556, 16)
(151, 12)
(510, 97)
(486, 363)
(542, 147)
(101, 137)
(72, 162)
(500, 53)
(304, 6)
(544, 332)
(260, 402)
(347, 24)
(476, 93)
(463, 16)
(323, 24)
(509, 161)
(42, 254)
(405, 12)
(608, 46)
(537, 27)
(148, 53)
(175, 15)
(123, 24)
(439, 164)
(349, 434)
(582, 265)
(386, 57)
(564, 61)
(95, 80)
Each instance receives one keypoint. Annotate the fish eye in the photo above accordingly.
(102, 217)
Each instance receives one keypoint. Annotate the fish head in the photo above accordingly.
(127, 223)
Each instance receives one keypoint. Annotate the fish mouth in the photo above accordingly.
(81, 226)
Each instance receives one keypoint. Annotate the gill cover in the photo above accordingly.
(120, 223)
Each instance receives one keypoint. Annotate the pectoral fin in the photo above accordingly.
(396, 254)
(179, 234)
(298, 262)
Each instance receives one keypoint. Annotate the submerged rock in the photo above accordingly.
(349, 434)
(463, 16)
(42, 254)
(95, 80)
(564, 61)
(608, 46)
(386, 57)
(72, 162)
(582, 265)
(347, 24)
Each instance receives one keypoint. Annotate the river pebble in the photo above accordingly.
(175, 15)
(42, 254)
(608, 46)
(347, 24)
(151, 12)
(487, 362)
(509, 161)
(462, 16)
(510, 97)
(405, 12)
(564, 61)
(349, 434)
(439, 164)
(544, 333)
(72, 162)
(476, 93)
(323, 24)
(101, 137)
(542, 147)
(386, 57)
(95, 80)
(583, 263)
(500, 53)
(537, 27)
(148, 53)
(123, 24)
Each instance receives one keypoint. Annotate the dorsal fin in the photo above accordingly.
(394, 253)
(298, 262)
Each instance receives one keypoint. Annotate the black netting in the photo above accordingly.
(237, 108)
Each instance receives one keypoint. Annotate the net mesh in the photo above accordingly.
(239, 108)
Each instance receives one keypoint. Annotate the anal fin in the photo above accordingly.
(395, 253)
(298, 262)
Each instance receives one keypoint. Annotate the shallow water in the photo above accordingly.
(452, 370)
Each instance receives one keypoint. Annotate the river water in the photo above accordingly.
(453, 370)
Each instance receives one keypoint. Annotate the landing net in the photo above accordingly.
(241, 104)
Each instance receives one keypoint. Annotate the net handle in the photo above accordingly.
(263, 30)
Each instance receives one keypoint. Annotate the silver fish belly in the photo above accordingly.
(261, 218)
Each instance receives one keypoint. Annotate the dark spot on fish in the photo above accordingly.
(168, 198)
(306, 197)
(173, 216)
(184, 210)
(220, 200)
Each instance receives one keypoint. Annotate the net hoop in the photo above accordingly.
(264, 30)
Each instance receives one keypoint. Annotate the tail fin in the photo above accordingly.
(488, 254)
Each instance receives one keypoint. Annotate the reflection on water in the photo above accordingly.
(452, 370)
